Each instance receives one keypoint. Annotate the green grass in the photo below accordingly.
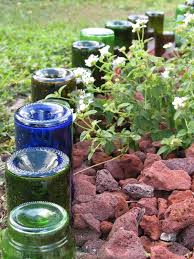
(36, 34)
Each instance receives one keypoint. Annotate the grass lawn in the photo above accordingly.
(36, 34)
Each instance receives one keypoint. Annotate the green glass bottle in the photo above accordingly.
(38, 173)
(49, 80)
(123, 33)
(38, 230)
(98, 34)
(81, 50)
(156, 23)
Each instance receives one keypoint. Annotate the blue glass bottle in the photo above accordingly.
(38, 173)
(44, 124)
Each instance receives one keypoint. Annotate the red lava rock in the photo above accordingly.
(105, 181)
(162, 207)
(186, 237)
(177, 248)
(92, 246)
(162, 178)
(120, 194)
(90, 172)
(102, 207)
(149, 204)
(123, 244)
(138, 191)
(178, 216)
(123, 183)
(150, 159)
(141, 155)
(147, 243)
(151, 150)
(82, 221)
(128, 166)
(105, 227)
(84, 235)
(128, 221)
(92, 222)
(178, 196)
(99, 157)
(151, 226)
(161, 252)
(186, 164)
(84, 191)
(86, 256)
(192, 185)
(156, 144)
(121, 208)
(78, 158)
(83, 146)
(81, 176)
(144, 144)
(189, 152)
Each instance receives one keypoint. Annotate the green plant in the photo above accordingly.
(141, 94)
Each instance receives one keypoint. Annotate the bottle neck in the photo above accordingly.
(35, 241)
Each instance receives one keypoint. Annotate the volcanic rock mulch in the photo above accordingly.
(135, 206)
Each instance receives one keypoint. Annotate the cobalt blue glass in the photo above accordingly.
(44, 124)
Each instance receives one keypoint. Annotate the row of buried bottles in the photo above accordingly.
(38, 174)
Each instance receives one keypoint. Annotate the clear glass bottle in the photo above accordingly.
(38, 230)
(49, 80)
(38, 173)
(44, 124)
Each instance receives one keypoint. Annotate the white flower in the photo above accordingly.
(140, 23)
(120, 61)
(179, 102)
(168, 45)
(105, 51)
(84, 100)
(188, 18)
(78, 72)
(87, 79)
(91, 61)
(165, 74)
(136, 27)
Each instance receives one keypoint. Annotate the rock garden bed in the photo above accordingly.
(134, 206)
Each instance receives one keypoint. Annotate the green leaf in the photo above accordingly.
(191, 127)
(177, 114)
(83, 135)
(163, 149)
(120, 121)
(90, 112)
